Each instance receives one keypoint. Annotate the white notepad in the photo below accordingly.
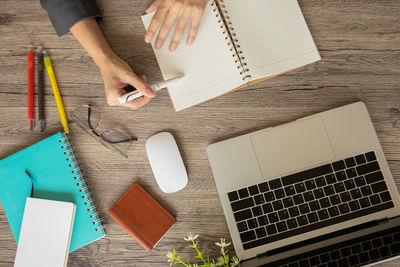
(260, 39)
(45, 233)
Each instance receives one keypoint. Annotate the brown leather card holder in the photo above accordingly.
(141, 216)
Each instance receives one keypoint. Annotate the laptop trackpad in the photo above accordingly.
(292, 147)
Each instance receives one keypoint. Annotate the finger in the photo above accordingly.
(165, 28)
(140, 85)
(137, 103)
(179, 31)
(155, 23)
(154, 6)
(144, 78)
(198, 14)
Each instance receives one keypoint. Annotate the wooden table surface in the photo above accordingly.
(359, 43)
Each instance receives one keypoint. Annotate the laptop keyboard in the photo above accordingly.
(309, 200)
(355, 252)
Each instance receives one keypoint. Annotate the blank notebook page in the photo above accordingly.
(272, 34)
(208, 65)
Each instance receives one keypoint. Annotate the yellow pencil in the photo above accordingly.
(56, 92)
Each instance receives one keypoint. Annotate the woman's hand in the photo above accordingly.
(117, 75)
(169, 11)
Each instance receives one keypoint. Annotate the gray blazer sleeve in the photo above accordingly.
(66, 13)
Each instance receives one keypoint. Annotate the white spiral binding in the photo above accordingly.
(79, 181)
(233, 43)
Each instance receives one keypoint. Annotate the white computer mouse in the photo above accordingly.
(166, 162)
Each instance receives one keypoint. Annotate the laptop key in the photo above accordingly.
(281, 226)
(354, 205)
(320, 181)
(366, 190)
(243, 193)
(308, 196)
(292, 223)
(263, 187)
(314, 205)
(323, 214)
(242, 204)
(379, 187)
(385, 251)
(339, 187)
(302, 220)
(338, 165)
(373, 177)
(387, 239)
(242, 215)
(345, 252)
(364, 257)
(318, 193)
(351, 173)
(257, 211)
(344, 208)
(324, 203)
(278, 205)
(262, 220)
(376, 243)
(269, 196)
(267, 208)
(367, 245)
(359, 181)
(279, 193)
(349, 184)
(271, 229)
(350, 162)
(345, 196)
(329, 190)
(333, 211)
(353, 260)
(289, 190)
(341, 176)
(335, 200)
(288, 202)
(385, 196)
(273, 217)
(259, 199)
(310, 184)
(312, 217)
(253, 190)
(324, 257)
(367, 168)
(304, 208)
(360, 159)
(374, 254)
(275, 184)
(298, 199)
(260, 232)
(314, 261)
(294, 211)
(233, 196)
(355, 249)
(300, 188)
(283, 215)
(370, 156)
(247, 236)
(355, 193)
(330, 179)
(242, 226)
(252, 223)
(395, 248)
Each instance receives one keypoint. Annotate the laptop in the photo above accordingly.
(314, 192)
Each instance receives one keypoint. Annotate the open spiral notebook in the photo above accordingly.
(238, 43)
(56, 176)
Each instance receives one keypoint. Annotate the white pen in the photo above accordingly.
(135, 94)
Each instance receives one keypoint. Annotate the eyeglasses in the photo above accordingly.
(89, 119)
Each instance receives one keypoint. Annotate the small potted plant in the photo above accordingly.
(224, 260)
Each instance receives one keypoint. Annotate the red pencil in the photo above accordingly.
(31, 100)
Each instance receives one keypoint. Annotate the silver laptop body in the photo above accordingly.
(296, 147)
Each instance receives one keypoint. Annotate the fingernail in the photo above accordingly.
(147, 38)
(190, 41)
(150, 92)
(158, 45)
(172, 47)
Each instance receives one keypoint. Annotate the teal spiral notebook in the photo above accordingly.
(56, 176)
